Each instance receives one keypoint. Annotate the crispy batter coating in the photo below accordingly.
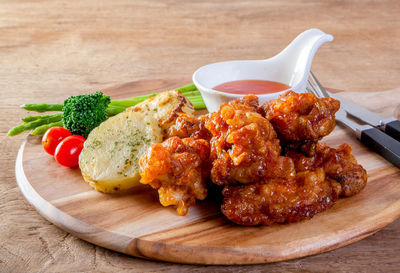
(177, 168)
(279, 200)
(262, 187)
(298, 118)
(187, 126)
(244, 145)
(338, 164)
(240, 148)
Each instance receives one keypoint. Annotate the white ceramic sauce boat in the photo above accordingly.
(291, 66)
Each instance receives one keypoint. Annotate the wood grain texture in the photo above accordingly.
(50, 50)
(136, 224)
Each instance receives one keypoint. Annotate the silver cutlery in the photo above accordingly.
(383, 138)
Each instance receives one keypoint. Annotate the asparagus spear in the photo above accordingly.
(185, 90)
(44, 107)
(33, 124)
(32, 118)
(113, 110)
(132, 101)
(188, 89)
(43, 128)
(115, 107)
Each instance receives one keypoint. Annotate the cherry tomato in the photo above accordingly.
(68, 150)
(53, 137)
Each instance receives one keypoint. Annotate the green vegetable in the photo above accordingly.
(197, 103)
(43, 128)
(83, 113)
(32, 125)
(42, 107)
(32, 118)
(132, 101)
(187, 88)
(113, 110)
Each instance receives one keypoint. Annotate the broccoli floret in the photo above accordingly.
(83, 113)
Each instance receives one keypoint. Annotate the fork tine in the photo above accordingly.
(311, 88)
(317, 85)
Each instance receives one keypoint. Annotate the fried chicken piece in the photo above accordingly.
(261, 186)
(244, 145)
(187, 126)
(177, 168)
(300, 118)
(218, 126)
(280, 200)
(338, 164)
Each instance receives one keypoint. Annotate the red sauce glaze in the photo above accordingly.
(256, 87)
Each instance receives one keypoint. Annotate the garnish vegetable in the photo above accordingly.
(68, 151)
(53, 137)
(83, 113)
(75, 118)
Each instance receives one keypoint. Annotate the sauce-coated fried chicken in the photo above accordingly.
(338, 164)
(240, 148)
(298, 118)
(244, 145)
(280, 200)
(186, 126)
(177, 168)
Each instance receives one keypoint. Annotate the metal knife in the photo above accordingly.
(390, 126)
(374, 138)
(380, 142)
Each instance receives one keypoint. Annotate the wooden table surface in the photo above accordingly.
(53, 49)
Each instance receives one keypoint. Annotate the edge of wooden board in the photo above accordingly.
(142, 248)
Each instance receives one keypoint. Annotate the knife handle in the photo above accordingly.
(383, 144)
(393, 129)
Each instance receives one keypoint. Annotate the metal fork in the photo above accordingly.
(370, 136)
(316, 88)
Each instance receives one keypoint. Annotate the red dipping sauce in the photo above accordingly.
(256, 87)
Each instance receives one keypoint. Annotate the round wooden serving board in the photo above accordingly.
(136, 223)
